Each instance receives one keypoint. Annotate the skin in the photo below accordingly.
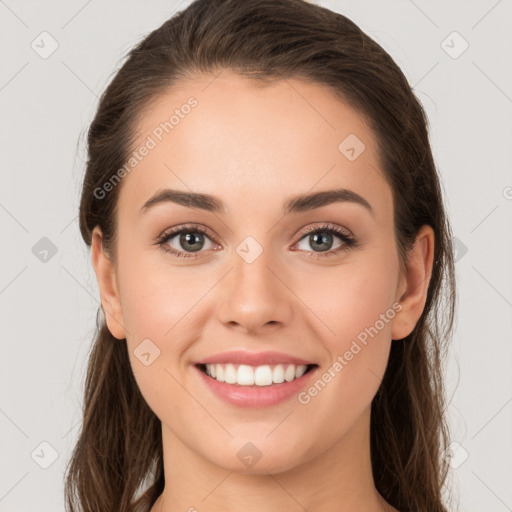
(253, 150)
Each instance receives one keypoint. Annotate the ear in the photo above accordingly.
(413, 289)
(107, 283)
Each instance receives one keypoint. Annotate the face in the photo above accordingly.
(318, 281)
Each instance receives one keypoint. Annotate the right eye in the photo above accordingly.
(191, 240)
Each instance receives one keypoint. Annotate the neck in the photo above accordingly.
(338, 479)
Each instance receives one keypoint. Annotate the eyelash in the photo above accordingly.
(348, 240)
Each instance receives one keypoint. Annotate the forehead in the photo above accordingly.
(225, 136)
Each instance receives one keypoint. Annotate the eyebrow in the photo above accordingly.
(295, 204)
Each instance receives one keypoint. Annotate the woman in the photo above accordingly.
(269, 238)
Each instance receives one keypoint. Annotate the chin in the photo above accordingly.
(255, 459)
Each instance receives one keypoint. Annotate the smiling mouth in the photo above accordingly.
(255, 376)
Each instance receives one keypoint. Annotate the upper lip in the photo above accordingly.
(253, 358)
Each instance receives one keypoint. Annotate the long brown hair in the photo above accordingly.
(117, 463)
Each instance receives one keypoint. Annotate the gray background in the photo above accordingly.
(49, 301)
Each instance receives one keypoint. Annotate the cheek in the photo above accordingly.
(356, 302)
(158, 303)
(155, 295)
(358, 349)
(349, 298)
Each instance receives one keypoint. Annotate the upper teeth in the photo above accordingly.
(246, 375)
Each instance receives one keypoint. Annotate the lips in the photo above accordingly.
(253, 358)
(264, 392)
(255, 396)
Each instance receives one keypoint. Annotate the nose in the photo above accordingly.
(254, 296)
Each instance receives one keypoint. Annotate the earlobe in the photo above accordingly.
(419, 270)
(104, 269)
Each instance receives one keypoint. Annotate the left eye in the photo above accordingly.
(323, 236)
(321, 239)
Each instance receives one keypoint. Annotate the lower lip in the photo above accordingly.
(257, 396)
